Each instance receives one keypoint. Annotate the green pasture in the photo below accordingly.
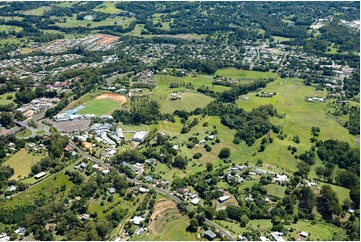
(73, 22)
(188, 102)
(47, 189)
(319, 231)
(4, 98)
(165, 25)
(275, 190)
(7, 28)
(162, 91)
(22, 161)
(236, 73)
(99, 107)
(107, 7)
(279, 38)
(37, 11)
(300, 117)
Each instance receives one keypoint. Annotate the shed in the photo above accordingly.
(304, 234)
(209, 234)
(224, 198)
(40, 175)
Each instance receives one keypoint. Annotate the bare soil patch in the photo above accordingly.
(115, 97)
(106, 38)
(162, 205)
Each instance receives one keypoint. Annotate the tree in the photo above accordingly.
(209, 166)
(307, 200)
(6, 119)
(296, 139)
(210, 212)
(222, 214)
(303, 169)
(355, 196)
(193, 225)
(328, 203)
(224, 153)
(244, 220)
(180, 162)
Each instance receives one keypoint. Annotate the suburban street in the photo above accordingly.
(159, 190)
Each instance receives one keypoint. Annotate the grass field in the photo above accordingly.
(235, 73)
(24, 133)
(107, 7)
(73, 22)
(37, 11)
(279, 38)
(170, 227)
(162, 91)
(47, 189)
(10, 28)
(83, 99)
(300, 118)
(188, 102)
(318, 231)
(22, 162)
(275, 190)
(4, 98)
(165, 25)
(99, 107)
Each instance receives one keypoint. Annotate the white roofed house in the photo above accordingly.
(139, 136)
(137, 220)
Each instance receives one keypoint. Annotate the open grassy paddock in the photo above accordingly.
(188, 102)
(22, 162)
(73, 22)
(162, 90)
(300, 117)
(7, 98)
(107, 7)
(37, 11)
(45, 189)
(242, 74)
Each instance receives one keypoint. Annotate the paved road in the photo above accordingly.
(159, 190)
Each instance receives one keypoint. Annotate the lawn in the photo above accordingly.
(37, 11)
(83, 99)
(99, 107)
(5, 98)
(318, 231)
(22, 162)
(73, 22)
(171, 226)
(10, 28)
(279, 38)
(188, 103)
(275, 190)
(24, 133)
(235, 73)
(107, 7)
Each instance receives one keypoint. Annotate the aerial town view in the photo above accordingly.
(179, 121)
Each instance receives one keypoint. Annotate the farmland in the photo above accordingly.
(186, 103)
(22, 162)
